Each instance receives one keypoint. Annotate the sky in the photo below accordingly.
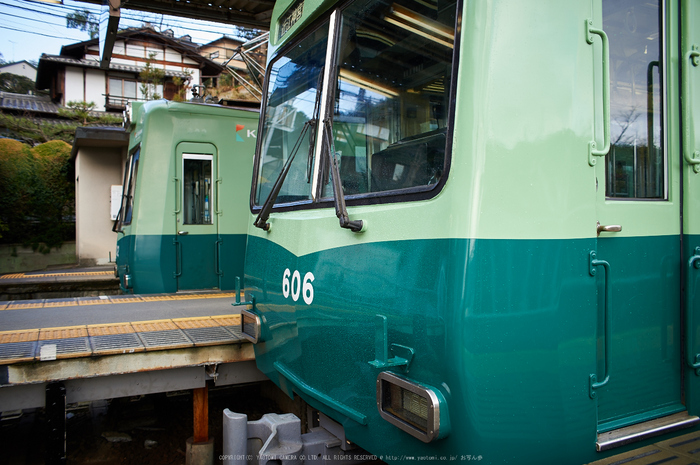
(30, 28)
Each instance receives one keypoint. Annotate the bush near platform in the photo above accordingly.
(37, 194)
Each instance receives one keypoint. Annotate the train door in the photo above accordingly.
(637, 263)
(196, 243)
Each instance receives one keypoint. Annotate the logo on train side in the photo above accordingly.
(248, 133)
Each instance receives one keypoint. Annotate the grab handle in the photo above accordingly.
(178, 259)
(593, 379)
(177, 196)
(693, 359)
(592, 150)
(692, 156)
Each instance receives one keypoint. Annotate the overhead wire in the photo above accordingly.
(169, 23)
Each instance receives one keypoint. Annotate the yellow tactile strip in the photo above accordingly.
(104, 339)
(52, 275)
(106, 300)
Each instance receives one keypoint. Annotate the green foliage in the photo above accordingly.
(16, 84)
(151, 78)
(225, 79)
(35, 132)
(84, 21)
(37, 194)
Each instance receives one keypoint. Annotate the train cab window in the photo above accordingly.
(293, 91)
(127, 207)
(390, 109)
(197, 189)
(636, 166)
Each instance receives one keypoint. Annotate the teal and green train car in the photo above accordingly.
(478, 224)
(183, 219)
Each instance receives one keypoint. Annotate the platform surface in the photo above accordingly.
(51, 329)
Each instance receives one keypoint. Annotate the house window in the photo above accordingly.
(214, 55)
(120, 91)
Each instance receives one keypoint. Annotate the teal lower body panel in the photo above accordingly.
(168, 263)
(691, 320)
(506, 330)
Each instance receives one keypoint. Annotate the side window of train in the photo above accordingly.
(390, 115)
(127, 207)
(635, 165)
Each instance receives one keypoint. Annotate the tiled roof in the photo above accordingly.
(85, 63)
(24, 102)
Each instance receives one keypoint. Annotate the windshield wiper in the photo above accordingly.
(341, 210)
(264, 215)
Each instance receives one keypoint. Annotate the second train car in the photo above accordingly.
(478, 224)
(183, 219)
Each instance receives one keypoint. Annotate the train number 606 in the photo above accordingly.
(296, 286)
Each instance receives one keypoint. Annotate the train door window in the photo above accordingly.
(390, 111)
(293, 90)
(129, 186)
(636, 167)
(197, 188)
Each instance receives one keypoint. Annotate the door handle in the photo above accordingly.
(692, 156)
(182, 233)
(593, 382)
(593, 151)
(607, 228)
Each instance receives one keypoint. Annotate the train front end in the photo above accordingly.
(424, 266)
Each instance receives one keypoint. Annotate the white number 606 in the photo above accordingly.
(297, 286)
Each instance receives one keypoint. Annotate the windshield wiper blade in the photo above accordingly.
(341, 210)
(264, 215)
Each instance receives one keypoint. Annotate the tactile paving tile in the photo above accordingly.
(199, 322)
(157, 298)
(110, 329)
(39, 303)
(68, 348)
(25, 335)
(94, 300)
(60, 303)
(155, 325)
(116, 344)
(687, 444)
(165, 339)
(62, 333)
(227, 320)
(220, 295)
(209, 336)
(122, 299)
(18, 351)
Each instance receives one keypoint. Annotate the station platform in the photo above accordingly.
(91, 281)
(116, 346)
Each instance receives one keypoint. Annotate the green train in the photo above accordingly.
(477, 224)
(179, 227)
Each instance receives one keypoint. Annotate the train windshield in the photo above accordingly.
(128, 187)
(293, 87)
(384, 108)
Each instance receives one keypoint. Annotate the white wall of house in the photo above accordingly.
(21, 68)
(84, 84)
(95, 88)
(97, 169)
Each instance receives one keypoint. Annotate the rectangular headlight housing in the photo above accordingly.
(412, 407)
(250, 326)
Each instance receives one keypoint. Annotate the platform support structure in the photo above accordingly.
(55, 410)
(200, 447)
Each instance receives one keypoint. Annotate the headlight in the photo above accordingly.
(419, 410)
